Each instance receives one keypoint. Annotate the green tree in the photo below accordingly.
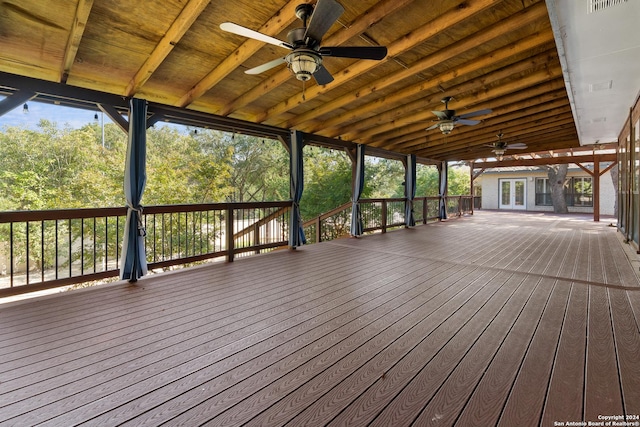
(327, 176)
(384, 178)
(53, 168)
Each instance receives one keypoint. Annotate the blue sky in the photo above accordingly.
(74, 117)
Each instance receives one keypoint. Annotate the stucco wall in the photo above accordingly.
(489, 181)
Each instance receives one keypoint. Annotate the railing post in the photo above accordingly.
(384, 216)
(425, 210)
(229, 231)
(318, 229)
(459, 205)
(256, 232)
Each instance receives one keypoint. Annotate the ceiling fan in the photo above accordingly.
(305, 58)
(447, 118)
(500, 147)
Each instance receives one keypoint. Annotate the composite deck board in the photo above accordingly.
(627, 342)
(192, 328)
(211, 313)
(419, 392)
(205, 344)
(322, 370)
(414, 347)
(495, 319)
(602, 384)
(564, 397)
(526, 399)
(290, 343)
(384, 393)
(281, 360)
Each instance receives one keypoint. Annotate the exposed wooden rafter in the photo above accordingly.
(487, 54)
(241, 54)
(178, 28)
(75, 36)
(420, 35)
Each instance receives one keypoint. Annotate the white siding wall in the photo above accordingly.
(490, 190)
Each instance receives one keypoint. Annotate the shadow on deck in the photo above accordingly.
(495, 319)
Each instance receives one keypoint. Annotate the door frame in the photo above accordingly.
(512, 194)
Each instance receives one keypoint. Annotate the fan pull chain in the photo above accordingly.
(304, 98)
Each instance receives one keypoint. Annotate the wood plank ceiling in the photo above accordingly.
(496, 54)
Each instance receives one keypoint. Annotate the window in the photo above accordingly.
(543, 192)
(582, 192)
(578, 192)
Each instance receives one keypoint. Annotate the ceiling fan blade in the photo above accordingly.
(475, 113)
(467, 122)
(517, 146)
(433, 126)
(322, 76)
(325, 14)
(265, 67)
(358, 52)
(230, 27)
(441, 115)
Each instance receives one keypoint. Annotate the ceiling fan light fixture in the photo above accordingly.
(499, 153)
(446, 126)
(304, 63)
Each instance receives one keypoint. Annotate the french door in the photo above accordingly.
(513, 194)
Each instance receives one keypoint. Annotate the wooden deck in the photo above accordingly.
(496, 319)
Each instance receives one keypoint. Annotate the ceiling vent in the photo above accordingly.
(597, 87)
(598, 5)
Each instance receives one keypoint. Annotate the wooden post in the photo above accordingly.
(318, 230)
(630, 222)
(384, 216)
(596, 188)
(425, 210)
(471, 185)
(229, 231)
(256, 232)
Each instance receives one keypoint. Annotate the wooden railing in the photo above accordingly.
(459, 205)
(44, 249)
(381, 215)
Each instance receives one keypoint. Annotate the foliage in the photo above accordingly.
(55, 167)
(58, 168)
(327, 181)
(384, 178)
(427, 181)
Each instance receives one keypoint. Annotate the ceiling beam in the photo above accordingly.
(65, 94)
(540, 98)
(512, 134)
(272, 27)
(357, 27)
(536, 142)
(586, 158)
(178, 28)
(431, 29)
(544, 140)
(509, 124)
(532, 79)
(115, 116)
(501, 123)
(75, 35)
(308, 120)
(13, 101)
(362, 128)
